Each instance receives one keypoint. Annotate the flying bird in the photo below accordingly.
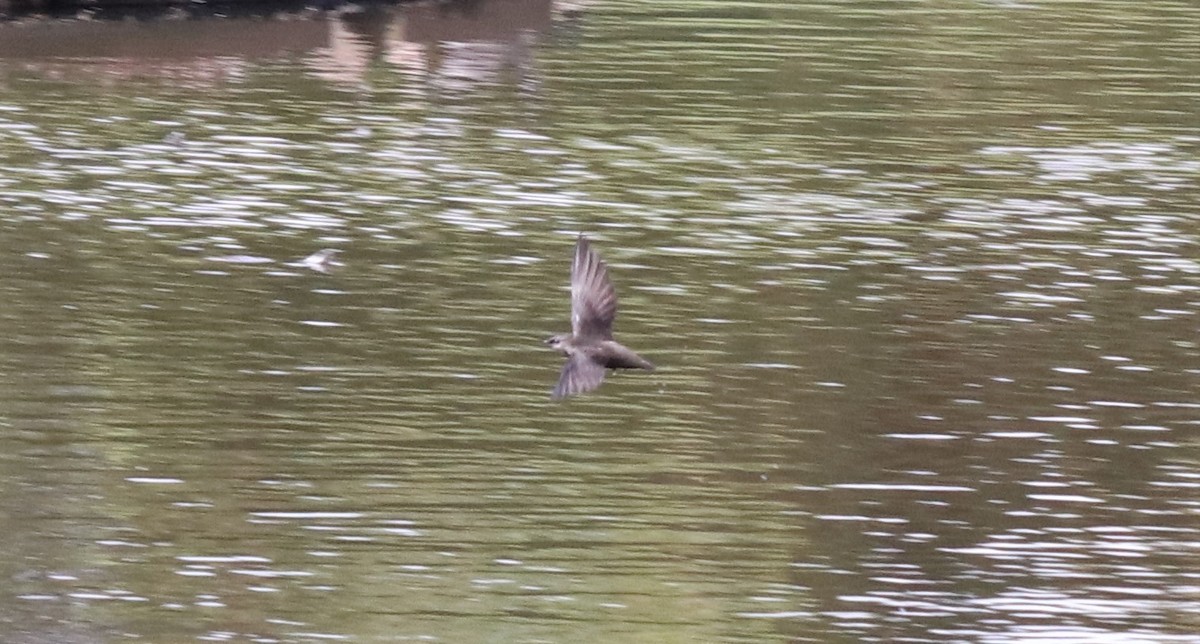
(322, 261)
(589, 347)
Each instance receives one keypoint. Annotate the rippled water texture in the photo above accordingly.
(922, 280)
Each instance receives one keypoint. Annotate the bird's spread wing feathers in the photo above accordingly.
(593, 298)
(580, 374)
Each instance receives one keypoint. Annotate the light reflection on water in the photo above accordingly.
(933, 381)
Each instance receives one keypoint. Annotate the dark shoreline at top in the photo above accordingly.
(32, 10)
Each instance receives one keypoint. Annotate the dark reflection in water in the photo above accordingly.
(922, 286)
(451, 44)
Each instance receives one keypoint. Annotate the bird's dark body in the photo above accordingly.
(611, 354)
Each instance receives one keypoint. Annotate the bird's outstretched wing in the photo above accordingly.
(580, 374)
(593, 298)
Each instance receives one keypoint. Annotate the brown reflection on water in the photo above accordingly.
(470, 40)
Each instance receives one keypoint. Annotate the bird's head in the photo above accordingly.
(555, 341)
